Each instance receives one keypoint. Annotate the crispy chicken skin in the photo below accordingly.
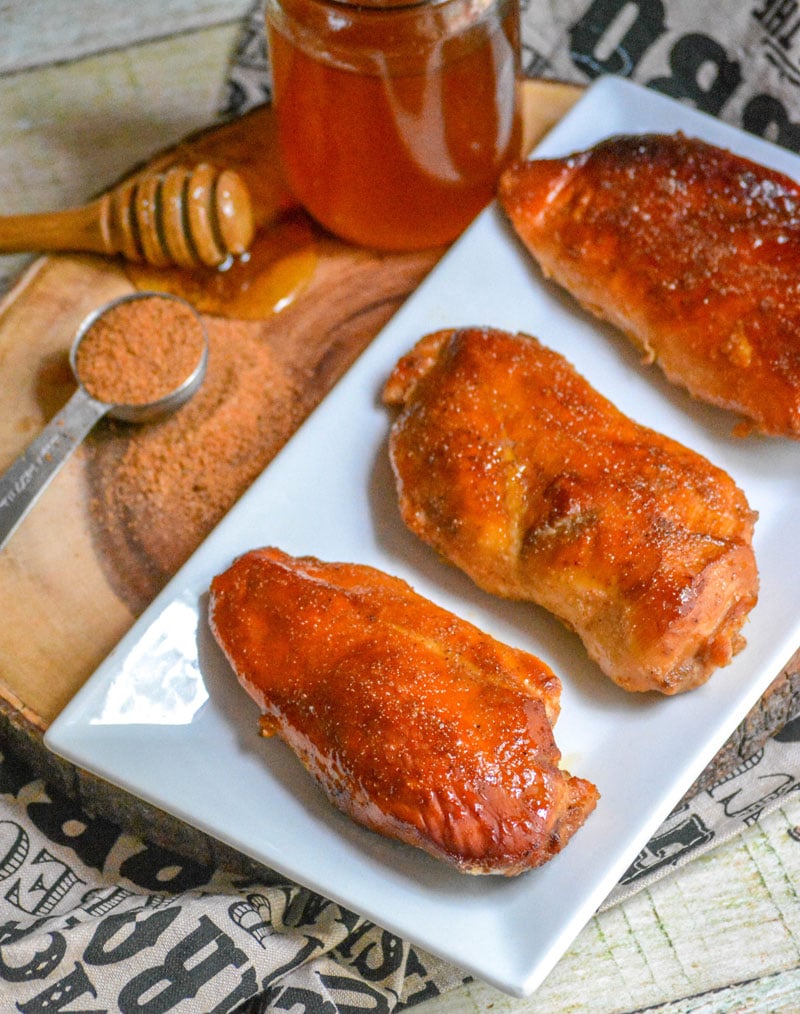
(414, 723)
(517, 471)
(692, 251)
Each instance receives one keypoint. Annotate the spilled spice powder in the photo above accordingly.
(140, 350)
(157, 490)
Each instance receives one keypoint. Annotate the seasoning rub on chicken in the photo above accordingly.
(692, 251)
(414, 723)
(517, 471)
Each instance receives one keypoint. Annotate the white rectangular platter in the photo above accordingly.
(164, 718)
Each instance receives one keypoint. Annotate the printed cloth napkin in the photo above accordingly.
(94, 919)
(735, 59)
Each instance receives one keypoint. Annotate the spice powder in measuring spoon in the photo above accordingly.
(139, 351)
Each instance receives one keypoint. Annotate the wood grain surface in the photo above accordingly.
(691, 944)
(74, 581)
(37, 37)
(721, 935)
(70, 591)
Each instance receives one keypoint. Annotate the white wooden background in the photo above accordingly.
(89, 88)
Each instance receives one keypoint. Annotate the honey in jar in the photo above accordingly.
(395, 118)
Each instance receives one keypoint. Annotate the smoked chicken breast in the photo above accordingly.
(414, 723)
(517, 471)
(692, 251)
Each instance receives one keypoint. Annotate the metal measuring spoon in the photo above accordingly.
(30, 474)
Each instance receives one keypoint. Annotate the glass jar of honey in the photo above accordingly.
(395, 118)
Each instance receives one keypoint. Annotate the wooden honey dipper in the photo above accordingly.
(180, 216)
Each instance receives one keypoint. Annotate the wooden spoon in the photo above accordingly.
(182, 216)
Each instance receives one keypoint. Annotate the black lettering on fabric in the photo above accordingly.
(380, 957)
(740, 804)
(377, 1001)
(349, 919)
(416, 972)
(100, 901)
(790, 733)
(701, 72)
(64, 823)
(534, 62)
(251, 49)
(149, 867)
(298, 1000)
(41, 898)
(11, 931)
(780, 18)
(122, 935)
(246, 914)
(247, 988)
(17, 849)
(613, 35)
(780, 21)
(766, 116)
(181, 976)
(348, 946)
(300, 957)
(667, 848)
(14, 774)
(235, 101)
(306, 908)
(39, 966)
(62, 994)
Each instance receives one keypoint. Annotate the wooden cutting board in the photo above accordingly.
(97, 547)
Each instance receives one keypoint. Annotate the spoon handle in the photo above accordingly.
(69, 229)
(22, 484)
(185, 216)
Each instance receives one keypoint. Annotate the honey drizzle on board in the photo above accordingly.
(284, 255)
(266, 280)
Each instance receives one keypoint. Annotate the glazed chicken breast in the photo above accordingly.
(414, 723)
(693, 252)
(520, 473)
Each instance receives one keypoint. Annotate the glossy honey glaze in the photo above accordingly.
(414, 722)
(265, 280)
(394, 121)
(690, 250)
(515, 469)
